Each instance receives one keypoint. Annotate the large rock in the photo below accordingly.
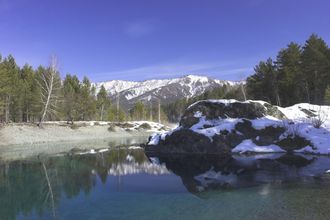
(217, 127)
(228, 109)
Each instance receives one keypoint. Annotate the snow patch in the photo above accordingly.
(134, 147)
(154, 140)
(130, 158)
(198, 114)
(264, 122)
(216, 126)
(249, 146)
(210, 176)
(103, 150)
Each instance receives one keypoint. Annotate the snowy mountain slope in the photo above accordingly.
(165, 90)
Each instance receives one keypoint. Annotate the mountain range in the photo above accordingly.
(163, 90)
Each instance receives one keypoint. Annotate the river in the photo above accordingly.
(123, 183)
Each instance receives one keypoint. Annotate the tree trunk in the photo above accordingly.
(102, 112)
(307, 92)
(243, 91)
(7, 109)
(50, 89)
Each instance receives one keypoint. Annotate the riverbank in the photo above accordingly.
(26, 140)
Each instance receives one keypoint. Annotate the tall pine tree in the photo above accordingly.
(103, 103)
(289, 75)
(315, 68)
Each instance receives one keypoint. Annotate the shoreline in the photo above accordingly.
(27, 140)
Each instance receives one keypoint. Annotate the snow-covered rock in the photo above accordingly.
(230, 126)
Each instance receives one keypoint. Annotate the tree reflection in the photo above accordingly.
(36, 186)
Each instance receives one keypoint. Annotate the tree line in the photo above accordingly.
(300, 73)
(35, 95)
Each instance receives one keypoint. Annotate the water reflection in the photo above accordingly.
(51, 148)
(36, 188)
(203, 173)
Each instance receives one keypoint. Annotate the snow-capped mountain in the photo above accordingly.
(167, 90)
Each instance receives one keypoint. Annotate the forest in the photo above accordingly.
(298, 74)
(24, 93)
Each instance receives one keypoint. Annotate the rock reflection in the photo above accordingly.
(203, 173)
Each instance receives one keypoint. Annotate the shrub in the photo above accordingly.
(320, 118)
(112, 128)
(292, 128)
(125, 125)
(128, 130)
(74, 126)
(145, 126)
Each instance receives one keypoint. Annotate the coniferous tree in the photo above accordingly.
(315, 68)
(290, 81)
(87, 103)
(327, 96)
(138, 112)
(11, 89)
(30, 94)
(2, 90)
(114, 114)
(263, 85)
(103, 103)
(71, 90)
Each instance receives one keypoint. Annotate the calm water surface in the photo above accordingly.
(126, 184)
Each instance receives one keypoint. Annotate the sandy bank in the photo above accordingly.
(25, 140)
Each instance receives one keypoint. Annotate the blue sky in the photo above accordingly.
(143, 39)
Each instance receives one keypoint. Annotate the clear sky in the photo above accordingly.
(143, 39)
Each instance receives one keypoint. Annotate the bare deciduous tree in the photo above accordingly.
(49, 85)
(242, 85)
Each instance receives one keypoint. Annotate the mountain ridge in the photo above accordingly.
(164, 90)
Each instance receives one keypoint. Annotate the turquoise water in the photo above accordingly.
(125, 184)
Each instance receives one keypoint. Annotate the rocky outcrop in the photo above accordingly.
(219, 126)
(213, 109)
